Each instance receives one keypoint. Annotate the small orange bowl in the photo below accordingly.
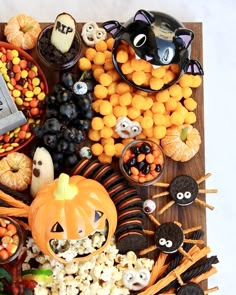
(28, 87)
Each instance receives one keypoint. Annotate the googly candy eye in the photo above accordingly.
(169, 243)
(187, 195)
(179, 196)
(139, 40)
(149, 206)
(162, 241)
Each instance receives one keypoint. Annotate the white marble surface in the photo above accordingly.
(219, 36)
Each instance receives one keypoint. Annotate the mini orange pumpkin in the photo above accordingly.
(16, 171)
(181, 143)
(22, 31)
(68, 209)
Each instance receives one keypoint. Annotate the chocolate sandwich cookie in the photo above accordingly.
(113, 179)
(133, 240)
(131, 202)
(183, 190)
(169, 237)
(190, 288)
(117, 189)
(123, 195)
(102, 173)
(130, 213)
(82, 164)
(129, 225)
(91, 168)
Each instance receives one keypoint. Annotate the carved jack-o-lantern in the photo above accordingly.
(71, 209)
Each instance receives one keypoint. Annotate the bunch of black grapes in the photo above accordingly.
(68, 116)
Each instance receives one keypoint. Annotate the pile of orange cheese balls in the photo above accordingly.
(114, 98)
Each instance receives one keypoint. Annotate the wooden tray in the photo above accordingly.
(190, 216)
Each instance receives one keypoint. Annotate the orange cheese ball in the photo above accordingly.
(105, 79)
(147, 122)
(96, 149)
(186, 80)
(118, 149)
(126, 68)
(159, 132)
(190, 104)
(109, 120)
(106, 132)
(159, 119)
(97, 72)
(96, 105)
(90, 53)
(122, 88)
(84, 64)
(94, 135)
(158, 107)
(109, 149)
(120, 111)
(101, 46)
(156, 83)
(197, 81)
(190, 118)
(176, 118)
(186, 91)
(109, 140)
(125, 99)
(159, 72)
(171, 104)
(162, 96)
(122, 56)
(97, 123)
(175, 90)
(100, 91)
(110, 42)
(105, 107)
(133, 113)
(138, 77)
(99, 58)
(104, 159)
(138, 102)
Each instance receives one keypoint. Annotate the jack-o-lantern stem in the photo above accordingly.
(65, 190)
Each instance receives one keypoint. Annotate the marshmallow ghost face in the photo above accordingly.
(92, 33)
(127, 128)
(136, 279)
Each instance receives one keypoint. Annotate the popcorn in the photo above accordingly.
(101, 275)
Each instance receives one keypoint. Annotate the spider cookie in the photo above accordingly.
(184, 190)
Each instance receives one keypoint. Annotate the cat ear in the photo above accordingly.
(144, 16)
(185, 35)
(113, 27)
(193, 67)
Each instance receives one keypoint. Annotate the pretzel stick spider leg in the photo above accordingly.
(204, 204)
(164, 208)
(160, 195)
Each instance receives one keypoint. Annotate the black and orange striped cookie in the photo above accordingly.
(129, 203)
(91, 169)
(134, 240)
(113, 179)
(82, 164)
(130, 213)
(129, 225)
(117, 189)
(102, 173)
(124, 195)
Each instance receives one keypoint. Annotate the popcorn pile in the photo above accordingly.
(101, 275)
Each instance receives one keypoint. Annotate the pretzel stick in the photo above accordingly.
(149, 232)
(211, 290)
(147, 250)
(180, 269)
(190, 230)
(190, 241)
(167, 206)
(201, 179)
(154, 220)
(162, 184)
(160, 195)
(184, 253)
(208, 191)
(204, 204)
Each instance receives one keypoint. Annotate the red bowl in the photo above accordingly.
(4, 149)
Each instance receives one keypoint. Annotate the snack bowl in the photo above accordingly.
(142, 162)
(152, 50)
(27, 85)
(12, 239)
(51, 57)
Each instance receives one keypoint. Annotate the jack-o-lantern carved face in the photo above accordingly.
(68, 213)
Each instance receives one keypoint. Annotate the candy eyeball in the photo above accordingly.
(92, 33)
(85, 152)
(80, 88)
(136, 280)
(149, 206)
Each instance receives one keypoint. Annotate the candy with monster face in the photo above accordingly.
(126, 128)
(92, 33)
(136, 279)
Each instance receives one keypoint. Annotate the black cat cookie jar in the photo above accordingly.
(158, 39)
